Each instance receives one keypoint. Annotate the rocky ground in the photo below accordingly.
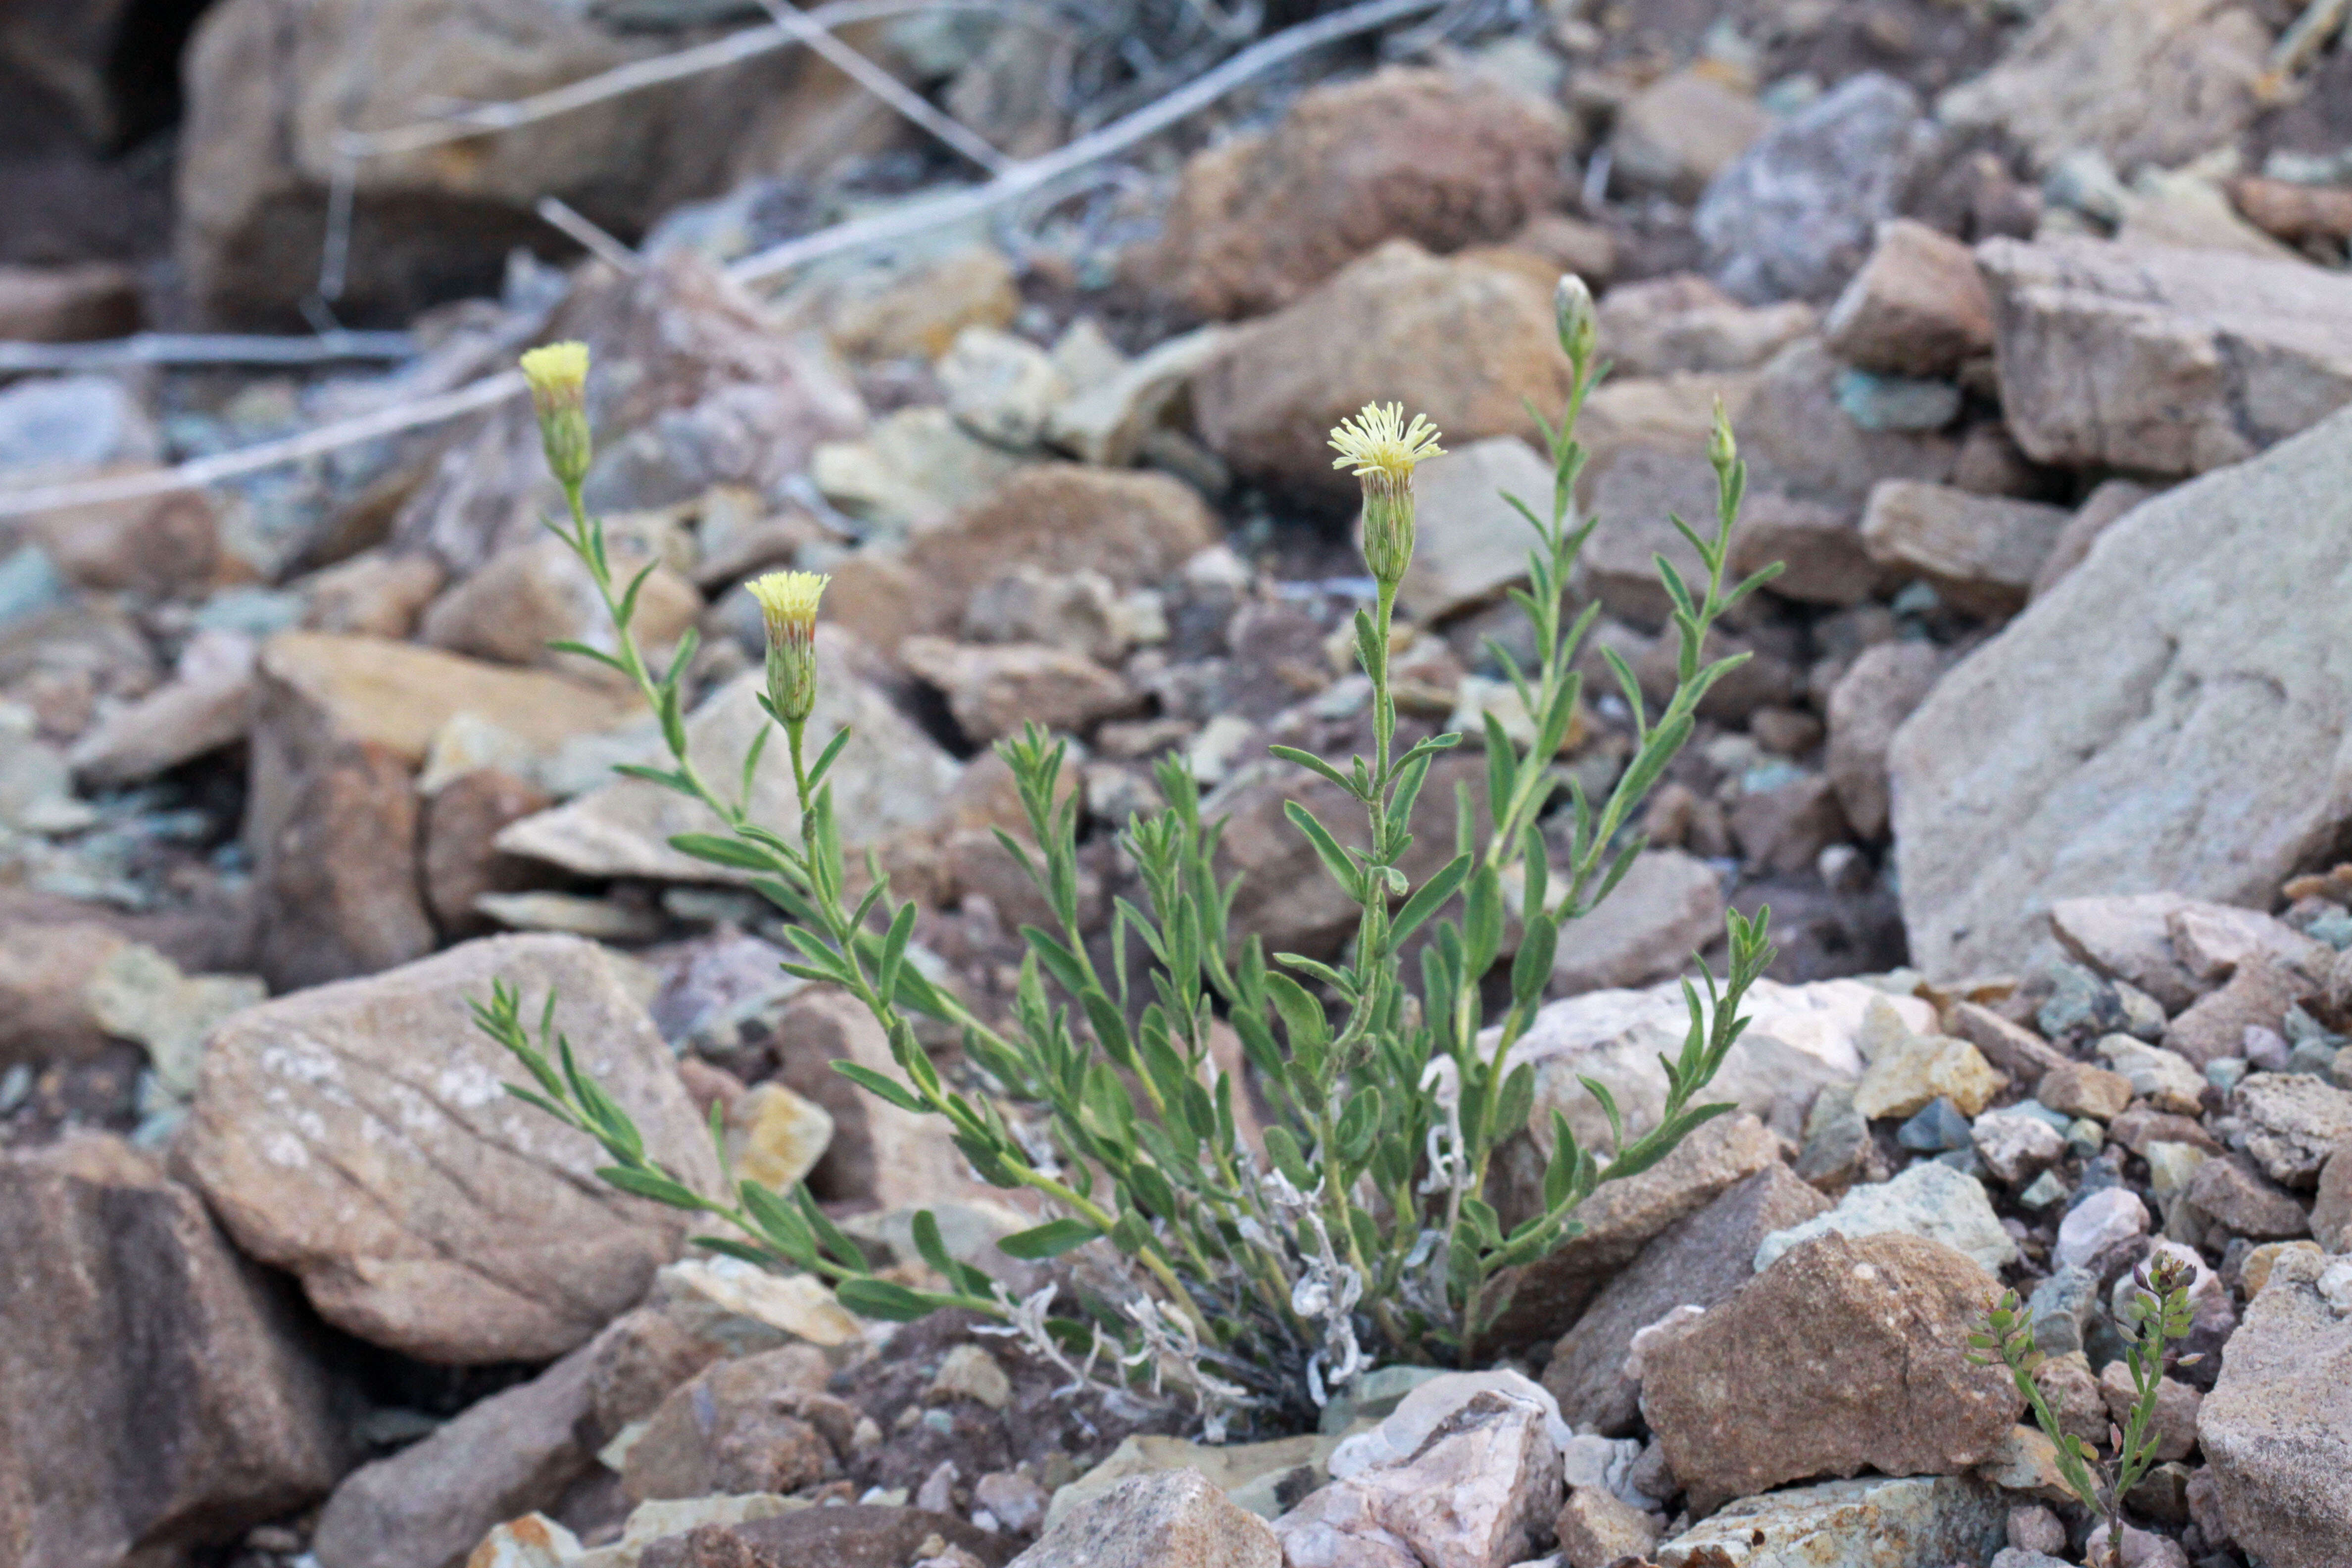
(2034, 321)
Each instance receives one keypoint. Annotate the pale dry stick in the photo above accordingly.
(203, 348)
(2308, 36)
(559, 213)
(635, 76)
(912, 105)
(1020, 179)
(203, 471)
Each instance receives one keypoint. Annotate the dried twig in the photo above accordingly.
(559, 213)
(245, 460)
(637, 76)
(912, 105)
(1022, 178)
(204, 348)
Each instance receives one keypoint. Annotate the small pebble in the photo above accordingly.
(1938, 1128)
(2044, 1190)
(2224, 1073)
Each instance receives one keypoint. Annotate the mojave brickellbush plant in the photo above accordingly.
(1257, 1282)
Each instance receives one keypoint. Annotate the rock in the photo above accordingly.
(993, 691)
(2101, 508)
(1178, 1518)
(58, 427)
(2078, 1089)
(2273, 1428)
(774, 1137)
(533, 1541)
(2011, 1048)
(68, 304)
(1987, 832)
(1471, 543)
(1078, 612)
(696, 386)
(1819, 547)
(1684, 323)
(1478, 1491)
(461, 862)
(486, 1235)
(1466, 344)
(2298, 215)
(1794, 215)
(1424, 155)
(2129, 938)
(739, 1425)
(2017, 1145)
(161, 547)
(2292, 1122)
(202, 709)
(373, 594)
(854, 1535)
(912, 311)
(1847, 1353)
(879, 1153)
(266, 101)
(1265, 1478)
(2258, 994)
(913, 471)
(747, 1309)
(1001, 387)
(338, 872)
(1912, 1070)
(1133, 529)
(2331, 1209)
(1787, 827)
(967, 1372)
(1595, 1530)
(129, 1313)
(1918, 308)
(1930, 1201)
(428, 1505)
(1801, 438)
(1669, 906)
(139, 995)
(1913, 1523)
(1978, 552)
(2107, 1217)
(1798, 1037)
(1618, 1219)
(1679, 132)
(890, 777)
(1108, 422)
(529, 595)
(2171, 361)
(46, 970)
(1699, 1260)
(2177, 1402)
(1868, 704)
(2141, 83)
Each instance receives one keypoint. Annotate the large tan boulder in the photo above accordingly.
(1428, 155)
(2168, 717)
(360, 1136)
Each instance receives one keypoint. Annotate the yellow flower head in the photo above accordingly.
(788, 600)
(1379, 444)
(558, 374)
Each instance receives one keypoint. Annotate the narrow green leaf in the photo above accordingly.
(1049, 1240)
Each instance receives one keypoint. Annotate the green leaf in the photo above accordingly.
(719, 851)
(1359, 1124)
(870, 1298)
(880, 1086)
(1049, 1240)
(1282, 1148)
(1316, 765)
(1429, 897)
(650, 1184)
(1532, 968)
(1518, 1097)
(893, 949)
(1326, 849)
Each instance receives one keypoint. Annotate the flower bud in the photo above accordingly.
(1580, 326)
(788, 603)
(1383, 451)
(558, 374)
(1722, 450)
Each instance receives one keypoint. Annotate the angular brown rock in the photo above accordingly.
(1845, 1354)
(360, 1135)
